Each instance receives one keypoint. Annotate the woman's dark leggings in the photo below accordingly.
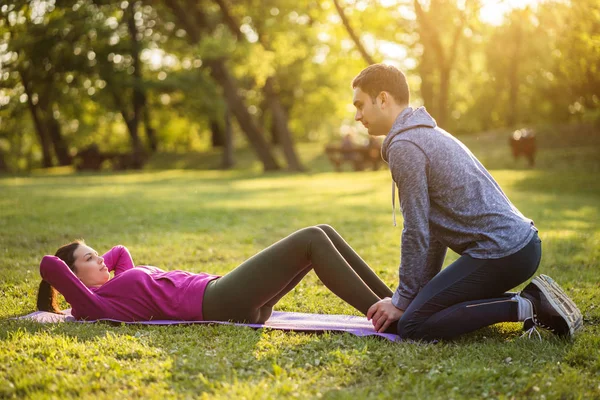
(469, 294)
(249, 292)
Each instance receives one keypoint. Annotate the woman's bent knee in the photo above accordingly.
(252, 316)
(326, 228)
(259, 316)
(264, 314)
(311, 233)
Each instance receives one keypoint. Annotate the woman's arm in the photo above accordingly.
(118, 259)
(58, 274)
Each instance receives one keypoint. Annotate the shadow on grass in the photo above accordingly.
(575, 181)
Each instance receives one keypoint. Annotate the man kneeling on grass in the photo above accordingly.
(449, 200)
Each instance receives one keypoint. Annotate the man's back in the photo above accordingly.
(467, 209)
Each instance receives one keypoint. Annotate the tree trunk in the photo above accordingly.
(60, 146)
(132, 128)
(229, 20)
(513, 77)
(42, 136)
(279, 121)
(363, 52)
(217, 137)
(426, 73)
(279, 128)
(150, 132)
(141, 108)
(274, 134)
(228, 160)
(3, 165)
(138, 95)
(443, 106)
(52, 127)
(132, 123)
(220, 74)
(137, 150)
(192, 20)
(37, 122)
(431, 41)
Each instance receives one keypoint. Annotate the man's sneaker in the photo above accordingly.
(552, 308)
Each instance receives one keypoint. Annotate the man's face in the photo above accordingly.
(369, 113)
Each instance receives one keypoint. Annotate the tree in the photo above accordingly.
(271, 92)
(195, 22)
(576, 75)
(31, 40)
(361, 48)
(117, 50)
(437, 63)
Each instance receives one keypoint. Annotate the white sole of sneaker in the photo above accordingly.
(560, 301)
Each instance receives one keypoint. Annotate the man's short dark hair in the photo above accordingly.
(379, 78)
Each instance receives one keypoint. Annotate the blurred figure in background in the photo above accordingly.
(522, 143)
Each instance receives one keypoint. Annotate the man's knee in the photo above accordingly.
(408, 326)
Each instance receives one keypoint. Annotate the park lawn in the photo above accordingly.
(212, 220)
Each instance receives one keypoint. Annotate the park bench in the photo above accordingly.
(91, 159)
(360, 157)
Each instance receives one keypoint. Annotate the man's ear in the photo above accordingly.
(384, 99)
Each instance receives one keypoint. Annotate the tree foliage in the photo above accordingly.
(139, 76)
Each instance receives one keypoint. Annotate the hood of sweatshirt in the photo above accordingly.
(408, 119)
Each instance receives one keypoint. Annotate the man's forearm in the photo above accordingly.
(418, 266)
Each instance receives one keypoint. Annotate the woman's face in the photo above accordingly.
(90, 267)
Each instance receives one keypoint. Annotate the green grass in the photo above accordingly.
(209, 220)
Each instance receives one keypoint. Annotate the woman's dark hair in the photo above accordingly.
(47, 299)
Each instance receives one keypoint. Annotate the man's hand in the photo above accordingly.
(383, 313)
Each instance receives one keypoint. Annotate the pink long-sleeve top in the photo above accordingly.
(139, 293)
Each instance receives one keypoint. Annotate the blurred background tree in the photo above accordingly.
(139, 77)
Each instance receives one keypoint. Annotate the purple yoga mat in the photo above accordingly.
(287, 321)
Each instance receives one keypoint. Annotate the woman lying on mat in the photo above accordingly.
(246, 294)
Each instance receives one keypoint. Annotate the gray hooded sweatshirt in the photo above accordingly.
(448, 200)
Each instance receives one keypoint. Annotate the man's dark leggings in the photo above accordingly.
(249, 292)
(469, 294)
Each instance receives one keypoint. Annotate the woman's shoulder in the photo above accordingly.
(141, 269)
